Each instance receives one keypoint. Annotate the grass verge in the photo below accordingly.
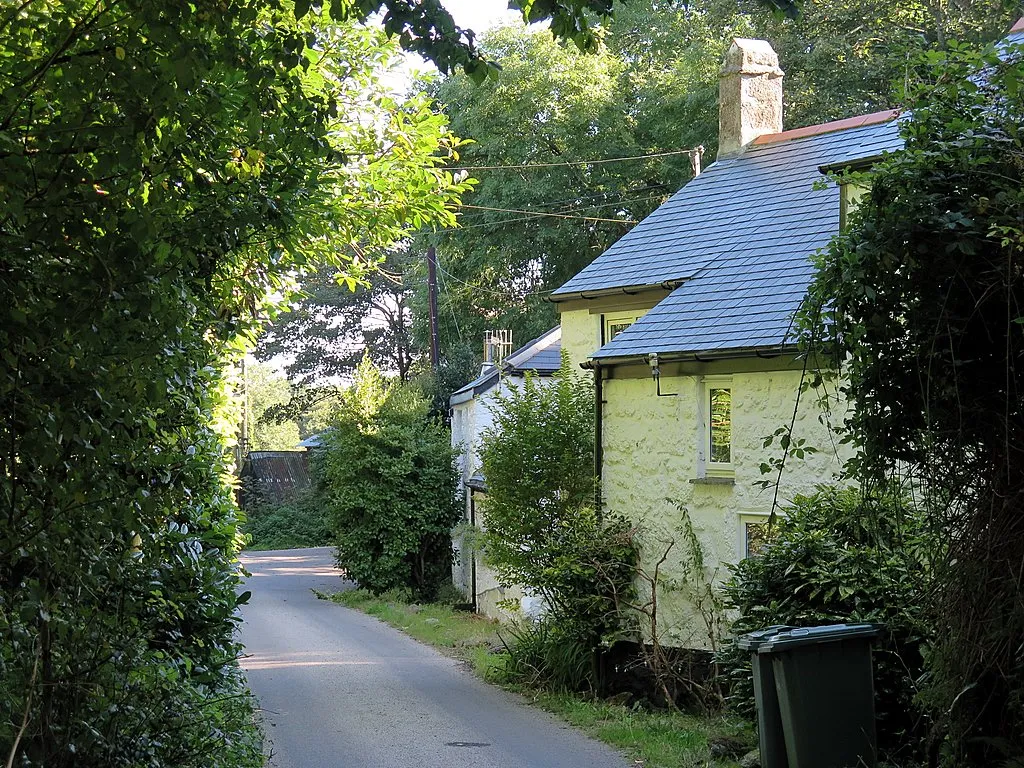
(653, 739)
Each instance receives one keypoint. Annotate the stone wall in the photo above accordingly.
(651, 469)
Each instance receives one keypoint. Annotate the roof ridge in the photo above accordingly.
(845, 124)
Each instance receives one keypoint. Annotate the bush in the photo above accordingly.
(300, 522)
(387, 479)
(544, 532)
(837, 556)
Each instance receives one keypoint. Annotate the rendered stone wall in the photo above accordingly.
(581, 334)
(650, 458)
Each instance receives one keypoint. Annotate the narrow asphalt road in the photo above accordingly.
(340, 689)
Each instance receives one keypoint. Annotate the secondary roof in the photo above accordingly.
(542, 356)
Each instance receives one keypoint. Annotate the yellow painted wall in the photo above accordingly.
(650, 458)
(581, 334)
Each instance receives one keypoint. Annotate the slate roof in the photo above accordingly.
(738, 238)
(1016, 35)
(542, 356)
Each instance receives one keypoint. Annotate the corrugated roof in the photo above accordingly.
(542, 356)
(740, 237)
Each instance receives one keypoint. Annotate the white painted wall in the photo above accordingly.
(469, 422)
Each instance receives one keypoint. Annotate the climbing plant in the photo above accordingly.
(922, 304)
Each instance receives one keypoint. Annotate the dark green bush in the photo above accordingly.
(544, 532)
(838, 556)
(300, 522)
(387, 479)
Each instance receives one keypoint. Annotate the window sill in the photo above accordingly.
(714, 481)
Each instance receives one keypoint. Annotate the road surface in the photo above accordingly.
(340, 689)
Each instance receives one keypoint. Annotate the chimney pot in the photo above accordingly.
(749, 94)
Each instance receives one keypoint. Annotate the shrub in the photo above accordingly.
(300, 522)
(838, 556)
(544, 531)
(387, 479)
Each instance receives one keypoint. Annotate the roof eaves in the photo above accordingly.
(702, 356)
(848, 166)
(474, 388)
(628, 290)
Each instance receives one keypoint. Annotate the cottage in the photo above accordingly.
(471, 416)
(686, 323)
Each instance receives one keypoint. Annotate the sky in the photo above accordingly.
(481, 15)
(477, 15)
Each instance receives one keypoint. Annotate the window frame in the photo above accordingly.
(709, 468)
(609, 319)
(746, 518)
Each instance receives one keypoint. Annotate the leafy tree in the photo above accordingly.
(921, 301)
(166, 166)
(265, 389)
(542, 528)
(387, 479)
(334, 323)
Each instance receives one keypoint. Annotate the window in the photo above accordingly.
(850, 195)
(754, 533)
(754, 537)
(716, 421)
(720, 432)
(616, 322)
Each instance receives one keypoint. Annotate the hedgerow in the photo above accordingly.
(386, 477)
(164, 168)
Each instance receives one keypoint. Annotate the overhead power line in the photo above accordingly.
(553, 215)
(534, 214)
(670, 153)
(576, 203)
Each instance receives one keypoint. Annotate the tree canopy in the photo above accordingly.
(543, 208)
(165, 167)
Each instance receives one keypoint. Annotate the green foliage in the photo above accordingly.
(266, 391)
(542, 528)
(838, 556)
(166, 166)
(298, 523)
(921, 301)
(388, 483)
(652, 88)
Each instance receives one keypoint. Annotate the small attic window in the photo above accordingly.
(616, 322)
(850, 195)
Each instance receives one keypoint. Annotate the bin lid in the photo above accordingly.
(753, 640)
(794, 638)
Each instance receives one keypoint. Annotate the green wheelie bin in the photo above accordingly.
(826, 698)
(769, 719)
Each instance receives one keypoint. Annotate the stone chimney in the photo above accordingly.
(749, 94)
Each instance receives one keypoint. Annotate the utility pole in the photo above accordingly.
(435, 353)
